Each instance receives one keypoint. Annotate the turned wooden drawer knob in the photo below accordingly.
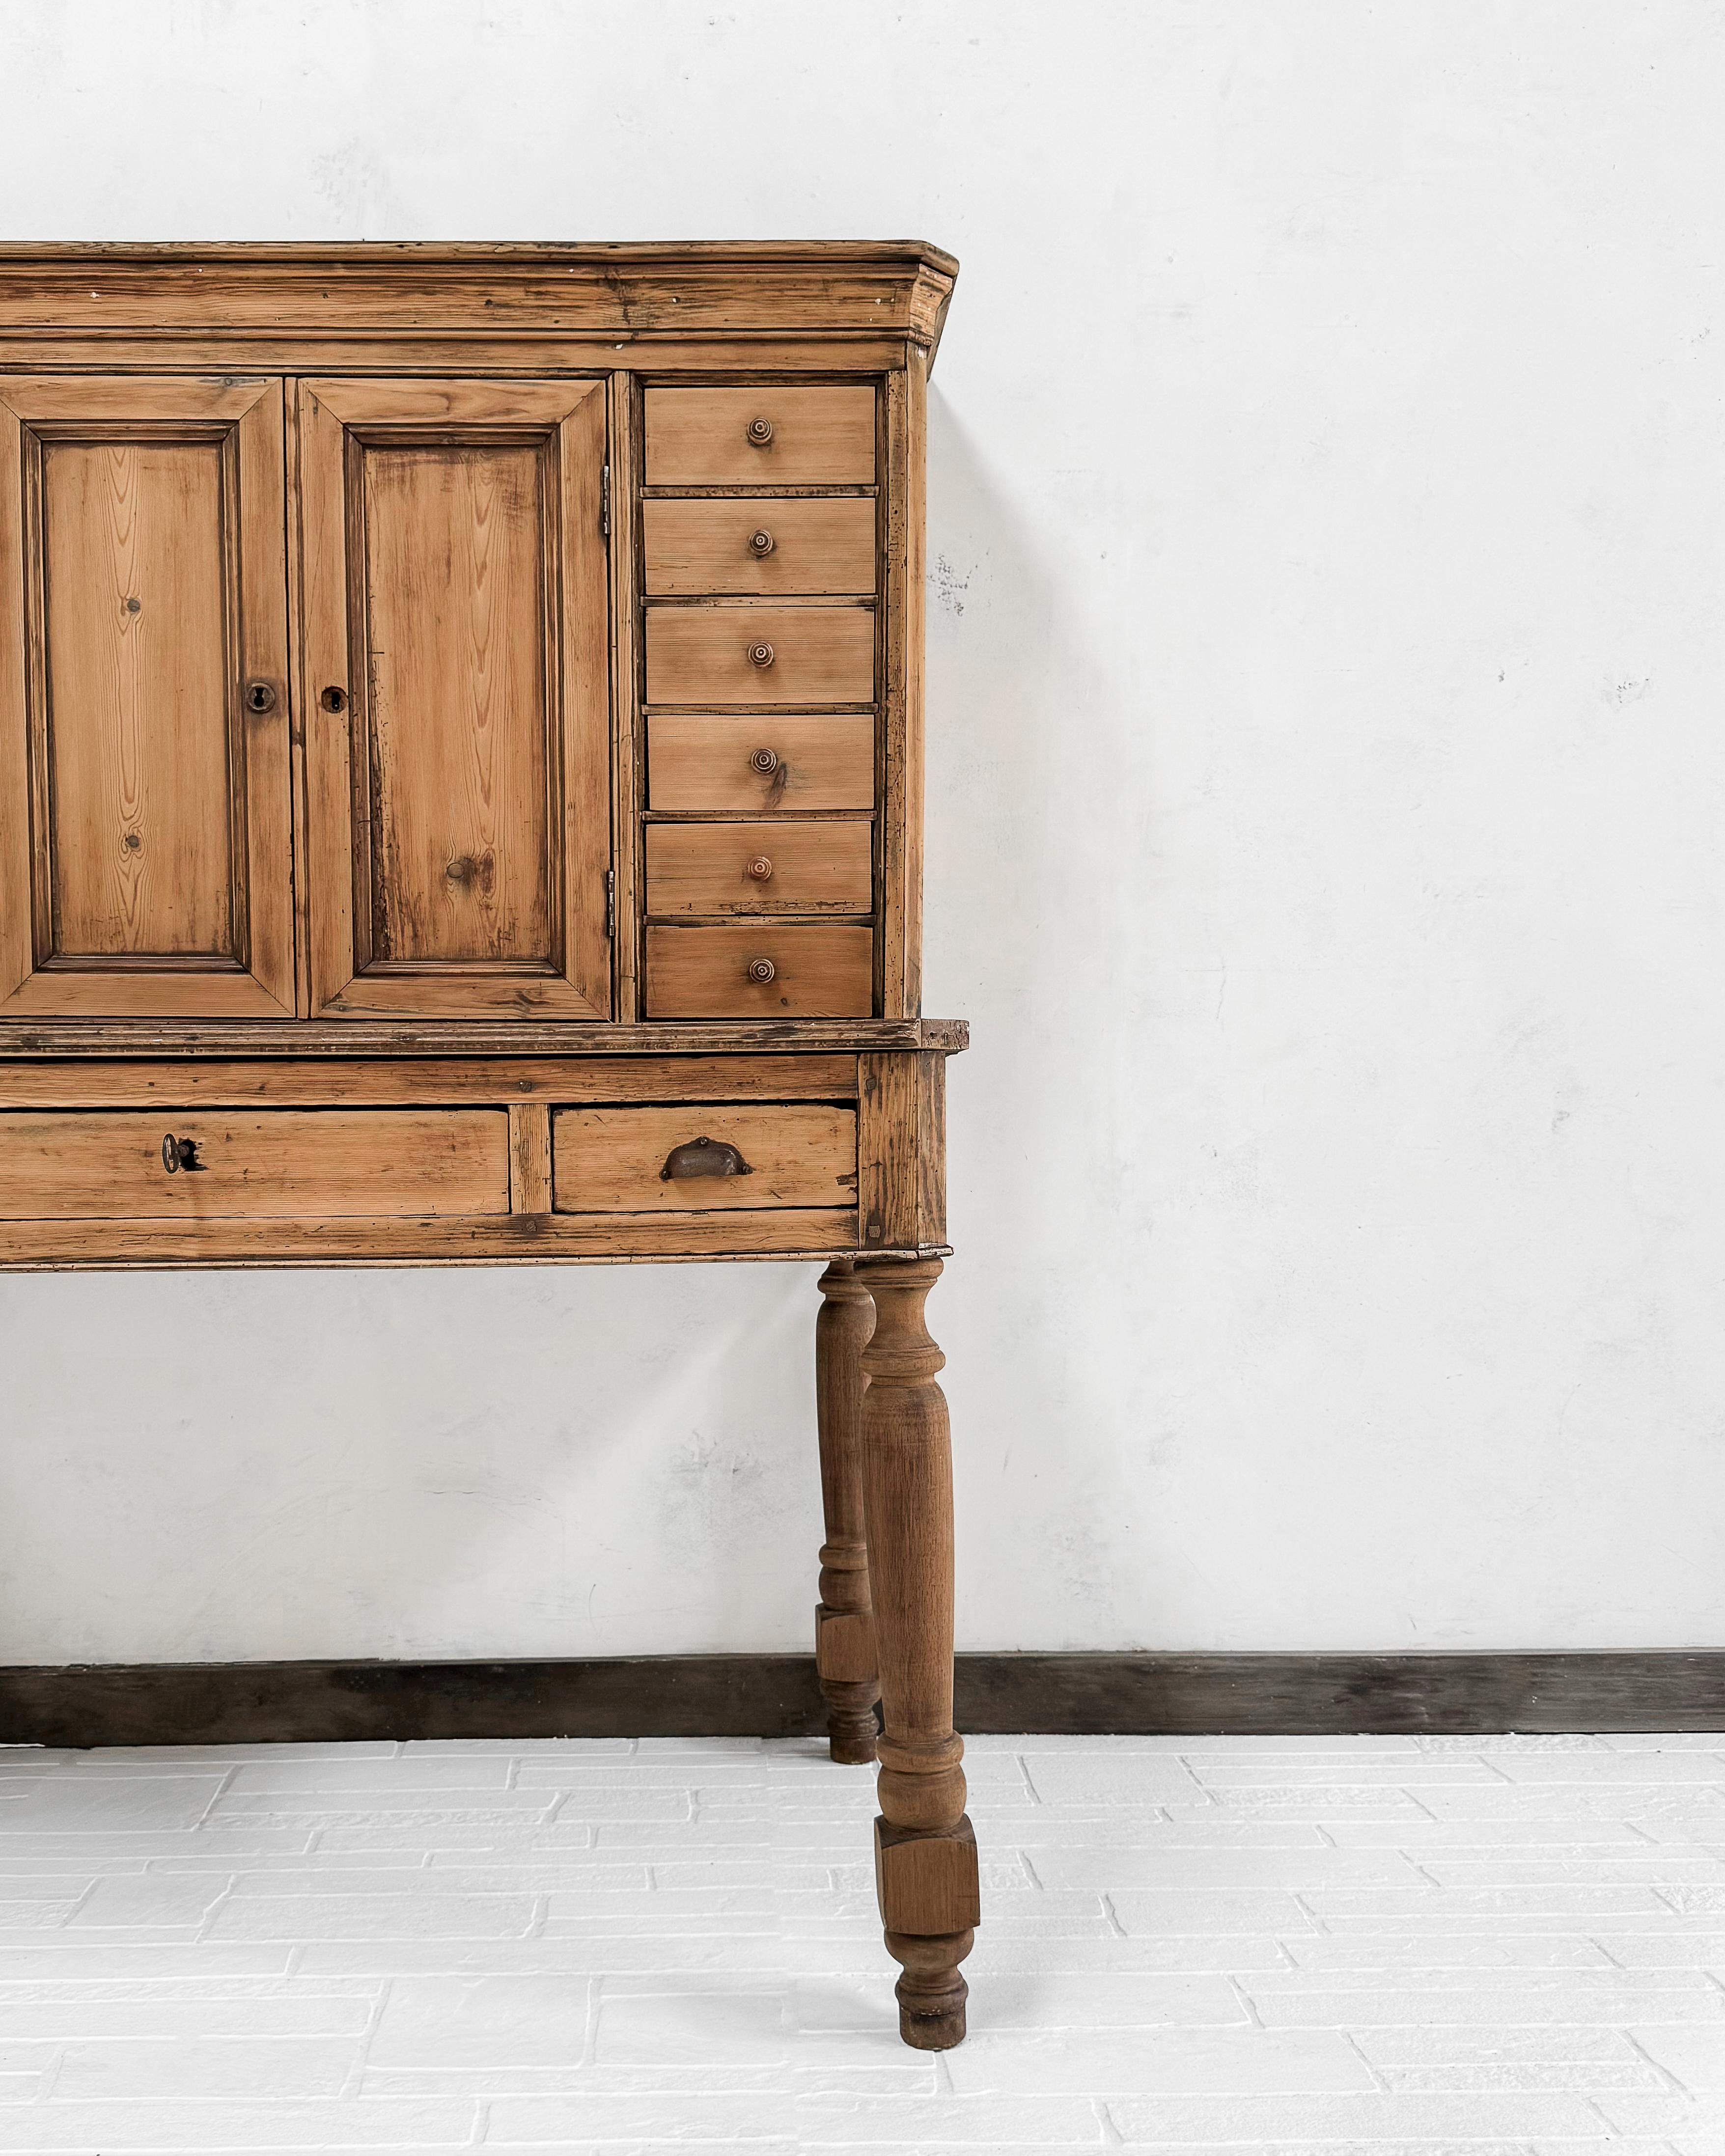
(761, 544)
(761, 970)
(760, 869)
(761, 654)
(760, 432)
(765, 761)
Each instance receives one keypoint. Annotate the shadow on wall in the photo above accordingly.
(1038, 835)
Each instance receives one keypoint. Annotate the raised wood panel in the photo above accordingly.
(818, 655)
(503, 1239)
(146, 864)
(280, 1164)
(612, 1160)
(819, 436)
(786, 867)
(136, 607)
(810, 547)
(820, 970)
(458, 664)
(707, 763)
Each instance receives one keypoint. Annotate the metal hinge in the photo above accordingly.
(605, 503)
(610, 906)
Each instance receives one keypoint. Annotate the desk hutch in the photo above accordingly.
(461, 803)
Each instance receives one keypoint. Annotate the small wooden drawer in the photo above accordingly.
(770, 435)
(760, 764)
(759, 548)
(789, 867)
(744, 655)
(724, 1158)
(279, 1164)
(761, 969)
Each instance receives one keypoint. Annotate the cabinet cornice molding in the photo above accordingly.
(633, 291)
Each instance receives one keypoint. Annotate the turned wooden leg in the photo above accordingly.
(843, 1623)
(925, 1853)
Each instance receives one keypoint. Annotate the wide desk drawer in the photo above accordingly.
(758, 548)
(190, 1163)
(748, 654)
(725, 1157)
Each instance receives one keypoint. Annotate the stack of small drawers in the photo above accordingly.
(759, 564)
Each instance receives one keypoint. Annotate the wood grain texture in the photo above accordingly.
(460, 737)
(820, 655)
(903, 635)
(460, 791)
(902, 1149)
(926, 1855)
(704, 763)
(693, 547)
(528, 1238)
(820, 970)
(779, 1696)
(628, 750)
(610, 1160)
(529, 1156)
(820, 437)
(285, 1164)
(624, 293)
(148, 849)
(786, 867)
(338, 1038)
(844, 1617)
(503, 1080)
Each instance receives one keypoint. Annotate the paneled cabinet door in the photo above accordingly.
(457, 727)
(145, 841)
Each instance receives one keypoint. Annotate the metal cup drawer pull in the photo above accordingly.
(702, 1157)
(761, 970)
(179, 1153)
(761, 654)
(761, 543)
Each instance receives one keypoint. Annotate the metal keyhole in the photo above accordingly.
(260, 696)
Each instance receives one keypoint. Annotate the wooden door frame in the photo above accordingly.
(330, 410)
(257, 980)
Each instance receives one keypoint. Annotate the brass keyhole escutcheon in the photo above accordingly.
(760, 432)
(761, 970)
(765, 761)
(760, 869)
(761, 544)
(761, 654)
(260, 696)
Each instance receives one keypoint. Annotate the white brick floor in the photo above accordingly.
(1478, 1944)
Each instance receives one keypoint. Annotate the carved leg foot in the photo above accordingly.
(844, 1622)
(925, 1853)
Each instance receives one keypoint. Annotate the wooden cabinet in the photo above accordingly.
(460, 801)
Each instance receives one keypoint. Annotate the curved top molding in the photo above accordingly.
(633, 291)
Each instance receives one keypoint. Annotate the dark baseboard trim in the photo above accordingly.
(776, 1696)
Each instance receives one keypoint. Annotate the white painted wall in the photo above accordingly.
(1326, 776)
